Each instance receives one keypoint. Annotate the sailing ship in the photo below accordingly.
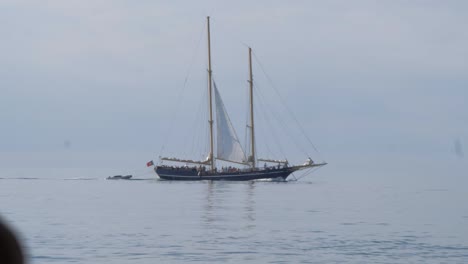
(228, 147)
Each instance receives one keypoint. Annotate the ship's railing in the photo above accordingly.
(274, 161)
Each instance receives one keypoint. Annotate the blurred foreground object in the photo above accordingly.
(10, 249)
(458, 148)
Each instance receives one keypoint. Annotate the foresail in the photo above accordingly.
(228, 145)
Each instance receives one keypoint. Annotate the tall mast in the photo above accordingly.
(209, 96)
(252, 134)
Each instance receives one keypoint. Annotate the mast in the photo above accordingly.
(252, 134)
(209, 96)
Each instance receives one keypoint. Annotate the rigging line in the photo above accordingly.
(263, 114)
(196, 131)
(269, 118)
(199, 111)
(295, 179)
(247, 118)
(204, 134)
(279, 118)
(266, 143)
(285, 106)
(306, 172)
(284, 127)
(197, 124)
(276, 116)
(192, 60)
(262, 104)
(260, 117)
(206, 129)
(178, 100)
(310, 171)
(301, 175)
(204, 142)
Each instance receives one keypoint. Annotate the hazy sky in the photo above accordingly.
(367, 80)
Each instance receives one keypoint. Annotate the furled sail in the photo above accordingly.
(228, 145)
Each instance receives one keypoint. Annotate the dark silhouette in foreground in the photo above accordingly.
(10, 249)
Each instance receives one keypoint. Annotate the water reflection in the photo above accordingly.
(249, 206)
(229, 205)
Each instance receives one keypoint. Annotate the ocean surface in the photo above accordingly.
(73, 216)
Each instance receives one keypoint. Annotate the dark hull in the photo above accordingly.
(181, 174)
(119, 177)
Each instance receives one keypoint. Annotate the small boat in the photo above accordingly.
(119, 177)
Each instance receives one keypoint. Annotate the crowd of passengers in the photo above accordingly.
(223, 169)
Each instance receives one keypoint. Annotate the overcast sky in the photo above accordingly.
(367, 80)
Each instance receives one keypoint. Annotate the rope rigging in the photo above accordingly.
(174, 114)
(285, 106)
(262, 106)
(305, 173)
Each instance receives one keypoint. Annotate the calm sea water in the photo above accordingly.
(64, 217)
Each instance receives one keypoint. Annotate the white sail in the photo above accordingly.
(228, 145)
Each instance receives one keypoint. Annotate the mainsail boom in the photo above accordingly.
(205, 162)
(241, 163)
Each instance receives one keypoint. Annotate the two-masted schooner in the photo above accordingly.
(228, 147)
